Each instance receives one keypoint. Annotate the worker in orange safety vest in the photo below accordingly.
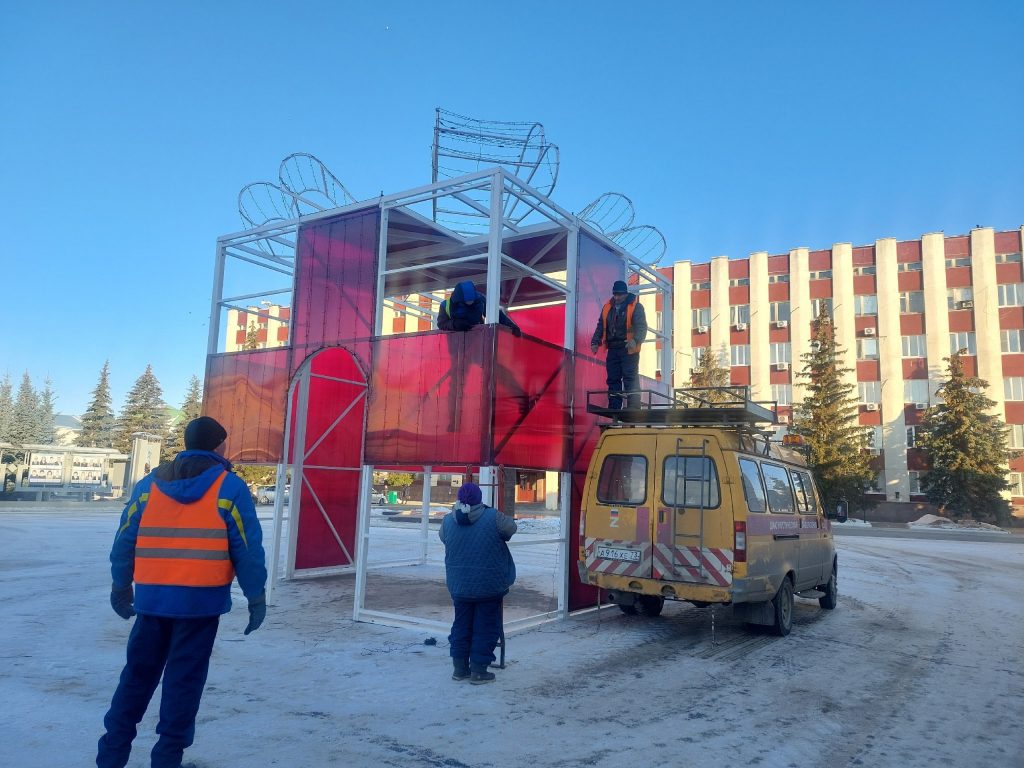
(621, 329)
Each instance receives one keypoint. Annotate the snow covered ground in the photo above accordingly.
(920, 665)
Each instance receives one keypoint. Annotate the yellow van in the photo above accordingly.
(689, 499)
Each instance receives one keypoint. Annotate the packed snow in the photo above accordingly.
(918, 666)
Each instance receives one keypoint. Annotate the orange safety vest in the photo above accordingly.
(183, 545)
(629, 323)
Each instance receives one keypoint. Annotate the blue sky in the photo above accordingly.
(128, 129)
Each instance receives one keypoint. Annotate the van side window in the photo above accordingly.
(780, 492)
(804, 493)
(689, 481)
(623, 480)
(753, 489)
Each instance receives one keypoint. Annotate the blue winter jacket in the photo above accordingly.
(477, 562)
(185, 480)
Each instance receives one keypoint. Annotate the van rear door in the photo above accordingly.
(694, 523)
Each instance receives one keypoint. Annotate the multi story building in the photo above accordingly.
(263, 327)
(899, 308)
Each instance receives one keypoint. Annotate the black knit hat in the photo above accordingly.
(620, 287)
(204, 434)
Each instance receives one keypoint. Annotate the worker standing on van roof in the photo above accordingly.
(478, 571)
(622, 328)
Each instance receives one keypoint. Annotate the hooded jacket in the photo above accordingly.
(465, 308)
(186, 480)
(477, 562)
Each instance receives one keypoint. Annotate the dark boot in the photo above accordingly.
(481, 675)
(460, 669)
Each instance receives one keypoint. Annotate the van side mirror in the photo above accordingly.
(841, 514)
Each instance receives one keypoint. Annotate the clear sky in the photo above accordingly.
(128, 128)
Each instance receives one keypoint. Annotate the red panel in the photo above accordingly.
(778, 377)
(970, 365)
(778, 292)
(700, 272)
(589, 375)
(547, 323)
(916, 459)
(739, 294)
(327, 495)
(739, 375)
(915, 368)
(1009, 273)
(961, 320)
(1014, 413)
(819, 260)
(1013, 365)
(958, 277)
(864, 285)
(597, 268)
(958, 246)
(778, 264)
(910, 281)
(870, 418)
(701, 339)
(739, 337)
(861, 322)
(531, 404)
(777, 335)
(429, 399)
(912, 416)
(911, 325)
(739, 268)
(820, 289)
(863, 255)
(868, 370)
(700, 299)
(1011, 317)
(580, 595)
(908, 251)
(246, 392)
(1008, 242)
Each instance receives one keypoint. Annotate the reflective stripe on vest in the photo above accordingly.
(629, 324)
(183, 545)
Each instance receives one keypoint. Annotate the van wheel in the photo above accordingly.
(782, 604)
(651, 605)
(831, 590)
(629, 610)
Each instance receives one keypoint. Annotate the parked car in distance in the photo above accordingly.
(378, 497)
(265, 494)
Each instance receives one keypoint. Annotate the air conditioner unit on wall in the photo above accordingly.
(702, 329)
(875, 451)
(741, 326)
(782, 324)
(968, 304)
(782, 418)
(782, 366)
(869, 331)
(921, 406)
(870, 406)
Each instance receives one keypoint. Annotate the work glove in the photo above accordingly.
(517, 331)
(631, 345)
(257, 613)
(593, 349)
(121, 599)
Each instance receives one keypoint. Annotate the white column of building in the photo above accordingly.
(273, 325)
(936, 313)
(986, 315)
(843, 309)
(649, 352)
(681, 337)
(800, 316)
(720, 309)
(760, 316)
(890, 355)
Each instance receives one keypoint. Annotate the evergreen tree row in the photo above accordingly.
(28, 416)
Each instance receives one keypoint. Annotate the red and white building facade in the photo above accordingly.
(899, 308)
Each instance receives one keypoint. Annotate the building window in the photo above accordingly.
(911, 436)
(915, 391)
(782, 394)
(701, 317)
(962, 261)
(1015, 436)
(1016, 487)
(909, 266)
(1011, 341)
(698, 355)
(912, 302)
(1008, 258)
(875, 438)
(779, 311)
(865, 305)
(740, 354)
(817, 305)
(739, 313)
(780, 353)
(962, 340)
(778, 278)
(868, 269)
(879, 483)
(825, 274)
(700, 286)
(1011, 294)
(1013, 388)
(914, 346)
(915, 481)
(955, 297)
(867, 349)
(869, 391)
(737, 282)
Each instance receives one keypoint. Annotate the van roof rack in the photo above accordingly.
(688, 406)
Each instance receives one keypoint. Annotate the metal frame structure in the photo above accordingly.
(527, 259)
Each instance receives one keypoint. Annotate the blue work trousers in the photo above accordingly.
(623, 376)
(475, 630)
(179, 649)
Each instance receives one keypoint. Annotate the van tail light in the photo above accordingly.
(739, 541)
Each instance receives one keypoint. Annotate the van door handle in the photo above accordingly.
(781, 536)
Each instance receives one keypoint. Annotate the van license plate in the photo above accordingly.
(614, 553)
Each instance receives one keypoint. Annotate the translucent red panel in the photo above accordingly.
(246, 392)
(597, 268)
(327, 518)
(546, 323)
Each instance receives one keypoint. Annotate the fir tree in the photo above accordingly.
(143, 411)
(966, 446)
(6, 408)
(827, 420)
(191, 408)
(24, 426)
(252, 336)
(711, 372)
(45, 421)
(98, 421)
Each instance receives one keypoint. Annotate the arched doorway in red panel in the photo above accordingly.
(324, 447)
